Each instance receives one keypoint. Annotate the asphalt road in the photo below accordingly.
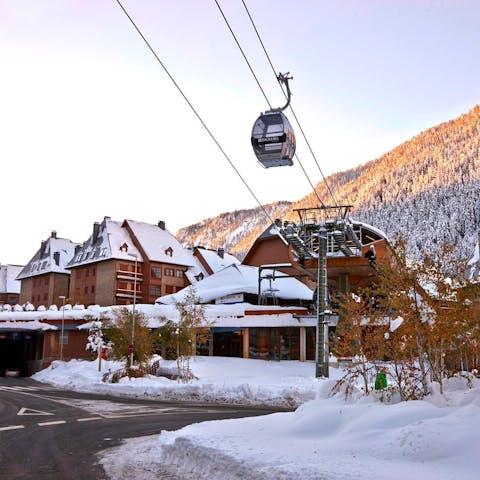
(49, 433)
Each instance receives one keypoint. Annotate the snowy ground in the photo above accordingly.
(325, 438)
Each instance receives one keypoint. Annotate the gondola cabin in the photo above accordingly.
(273, 140)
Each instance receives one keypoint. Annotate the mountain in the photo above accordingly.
(426, 189)
(232, 230)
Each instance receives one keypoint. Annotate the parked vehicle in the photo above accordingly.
(12, 372)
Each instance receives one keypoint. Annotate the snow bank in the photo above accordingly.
(325, 438)
(220, 380)
(331, 439)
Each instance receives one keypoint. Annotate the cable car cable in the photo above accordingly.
(243, 53)
(263, 92)
(291, 108)
(194, 110)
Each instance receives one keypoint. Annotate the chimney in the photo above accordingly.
(278, 223)
(56, 257)
(77, 249)
(161, 224)
(96, 230)
(221, 252)
(54, 234)
(42, 247)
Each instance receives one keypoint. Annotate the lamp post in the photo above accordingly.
(62, 298)
(134, 255)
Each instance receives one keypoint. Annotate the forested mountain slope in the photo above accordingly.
(230, 229)
(427, 189)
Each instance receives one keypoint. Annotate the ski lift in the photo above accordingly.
(273, 138)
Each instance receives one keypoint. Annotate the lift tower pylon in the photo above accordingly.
(319, 232)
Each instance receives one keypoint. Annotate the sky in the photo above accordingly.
(432, 439)
(92, 126)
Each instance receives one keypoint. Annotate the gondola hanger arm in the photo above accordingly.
(284, 78)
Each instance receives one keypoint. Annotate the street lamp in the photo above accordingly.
(133, 308)
(62, 298)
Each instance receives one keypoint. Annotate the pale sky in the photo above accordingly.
(91, 126)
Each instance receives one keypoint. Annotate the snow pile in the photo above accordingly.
(331, 438)
(220, 380)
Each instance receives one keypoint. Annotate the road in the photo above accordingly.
(55, 434)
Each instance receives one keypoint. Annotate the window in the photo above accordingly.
(92, 289)
(45, 296)
(179, 273)
(79, 274)
(63, 340)
(156, 272)
(86, 289)
(169, 272)
(169, 251)
(46, 281)
(169, 289)
(155, 290)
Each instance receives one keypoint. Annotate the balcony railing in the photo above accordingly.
(125, 293)
(128, 275)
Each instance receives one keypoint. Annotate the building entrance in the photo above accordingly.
(21, 350)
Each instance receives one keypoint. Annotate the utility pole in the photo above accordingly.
(321, 358)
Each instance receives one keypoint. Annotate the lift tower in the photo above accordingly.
(320, 231)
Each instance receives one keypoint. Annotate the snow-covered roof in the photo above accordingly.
(159, 244)
(241, 279)
(196, 272)
(367, 226)
(108, 241)
(217, 261)
(212, 259)
(8, 281)
(237, 315)
(25, 325)
(52, 257)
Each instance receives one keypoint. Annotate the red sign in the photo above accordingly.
(130, 348)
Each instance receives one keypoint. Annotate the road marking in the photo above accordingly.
(12, 427)
(88, 419)
(31, 411)
(58, 422)
(21, 389)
